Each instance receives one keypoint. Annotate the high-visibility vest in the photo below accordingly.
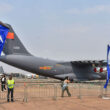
(10, 84)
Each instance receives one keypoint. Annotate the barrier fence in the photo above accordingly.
(27, 91)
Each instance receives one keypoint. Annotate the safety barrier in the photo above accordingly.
(27, 91)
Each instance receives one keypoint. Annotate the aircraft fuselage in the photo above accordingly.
(36, 65)
(45, 67)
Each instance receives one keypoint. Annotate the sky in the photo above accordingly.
(63, 30)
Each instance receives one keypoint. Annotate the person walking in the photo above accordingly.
(10, 85)
(3, 83)
(65, 87)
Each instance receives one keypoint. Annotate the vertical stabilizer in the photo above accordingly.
(12, 44)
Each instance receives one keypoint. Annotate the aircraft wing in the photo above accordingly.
(95, 62)
(87, 62)
(84, 70)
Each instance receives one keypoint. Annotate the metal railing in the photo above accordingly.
(26, 91)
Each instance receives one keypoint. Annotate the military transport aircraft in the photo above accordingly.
(17, 55)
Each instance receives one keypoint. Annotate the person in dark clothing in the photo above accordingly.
(65, 87)
(3, 83)
(10, 85)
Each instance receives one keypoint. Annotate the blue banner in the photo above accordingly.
(108, 69)
(3, 34)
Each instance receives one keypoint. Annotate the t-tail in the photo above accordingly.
(12, 43)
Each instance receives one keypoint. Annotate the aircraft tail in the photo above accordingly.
(12, 43)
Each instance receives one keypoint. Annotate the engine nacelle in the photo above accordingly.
(100, 69)
(104, 69)
(97, 69)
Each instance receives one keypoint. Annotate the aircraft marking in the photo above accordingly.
(10, 35)
(58, 64)
(45, 68)
(16, 47)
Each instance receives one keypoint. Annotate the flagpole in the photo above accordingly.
(108, 69)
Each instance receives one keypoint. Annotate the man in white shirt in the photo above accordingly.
(3, 83)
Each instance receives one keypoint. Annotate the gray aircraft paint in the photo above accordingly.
(17, 55)
(1, 70)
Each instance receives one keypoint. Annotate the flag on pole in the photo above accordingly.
(108, 69)
(3, 34)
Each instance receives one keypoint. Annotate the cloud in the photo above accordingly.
(5, 8)
(73, 29)
(97, 9)
(91, 10)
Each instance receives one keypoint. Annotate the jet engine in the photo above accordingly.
(100, 69)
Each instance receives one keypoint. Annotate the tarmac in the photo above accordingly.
(65, 103)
